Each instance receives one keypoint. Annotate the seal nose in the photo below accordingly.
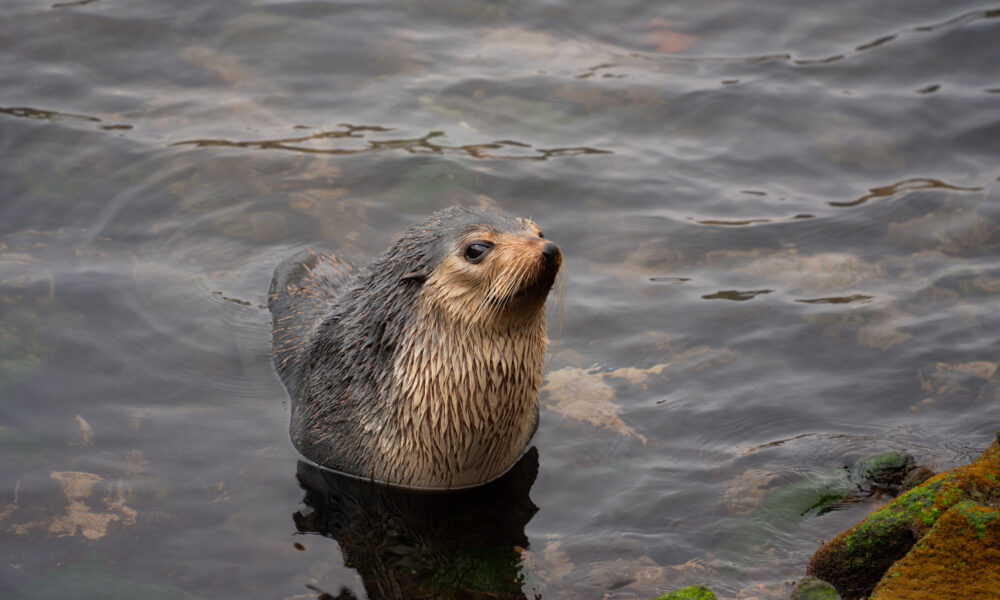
(550, 251)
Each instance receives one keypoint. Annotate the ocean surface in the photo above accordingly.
(781, 232)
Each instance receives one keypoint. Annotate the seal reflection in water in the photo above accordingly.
(408, 543)
(423, 368)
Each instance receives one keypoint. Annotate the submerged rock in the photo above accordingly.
(887, 470)
(772, 507)
(857, 559)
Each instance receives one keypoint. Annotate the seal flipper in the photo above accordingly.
(303, 291)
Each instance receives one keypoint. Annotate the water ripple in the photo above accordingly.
(907, 185)
(879, 42)
(76, 3)
(418, 145)
(737, 295)
(753, 221)
(43, 115)
(38, 114)
(838, 299)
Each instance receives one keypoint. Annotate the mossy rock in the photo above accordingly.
(811, 588)
(856, 560)
(957, 558)
(693, 592)
(886, 470)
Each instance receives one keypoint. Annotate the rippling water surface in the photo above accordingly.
(781, 232)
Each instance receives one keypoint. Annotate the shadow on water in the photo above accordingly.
(424, 544)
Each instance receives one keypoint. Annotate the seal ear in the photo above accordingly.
(419, 276)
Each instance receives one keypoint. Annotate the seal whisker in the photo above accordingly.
(490, 306)
(560, 286)
(513, 282)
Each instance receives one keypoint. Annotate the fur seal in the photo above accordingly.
(423, 368)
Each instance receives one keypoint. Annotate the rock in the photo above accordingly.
(917, 477)
(692, 592)
(957, 558)
(856, 560)
(811, 588)
(887, 470)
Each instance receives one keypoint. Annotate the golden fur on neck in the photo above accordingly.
(467, 379)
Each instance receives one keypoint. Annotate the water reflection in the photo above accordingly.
(426, 144)
(907, 185)
(76, 3)
(737, 295)
(421, 544)
(838, 299)
(42, 115)
(37, 114)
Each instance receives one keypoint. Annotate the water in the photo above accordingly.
(780, 232)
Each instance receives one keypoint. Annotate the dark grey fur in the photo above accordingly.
(335, 334)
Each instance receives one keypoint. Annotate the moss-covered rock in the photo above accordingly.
(916, 477)
(886, 470)
(811, 588)
(692, 592)
(958, 558)
(856, 560)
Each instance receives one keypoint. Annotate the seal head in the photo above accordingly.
(422, 369)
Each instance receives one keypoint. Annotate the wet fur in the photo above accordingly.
(421, 369)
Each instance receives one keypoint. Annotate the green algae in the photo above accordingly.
(815, 491)
(824, 503)
(814, 495)
(896, 519)
(782, 510)
(978, 519)
(692, 592)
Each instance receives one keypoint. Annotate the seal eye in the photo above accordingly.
(476, 251)
(541, 235)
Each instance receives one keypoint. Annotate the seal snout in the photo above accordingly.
(551, 253)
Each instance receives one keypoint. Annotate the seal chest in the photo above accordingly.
(422, 369)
